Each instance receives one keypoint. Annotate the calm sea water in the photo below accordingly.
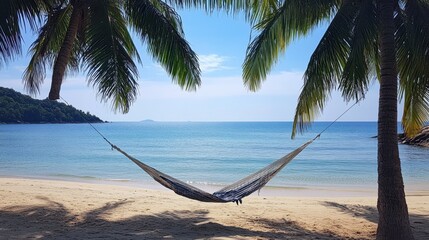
(203, 153)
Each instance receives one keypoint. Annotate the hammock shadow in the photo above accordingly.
(52, 220)
(419, 223)
(367, 212)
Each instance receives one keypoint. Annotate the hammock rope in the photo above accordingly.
(234, 192)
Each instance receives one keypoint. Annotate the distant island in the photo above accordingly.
(19, 108)
(147, 121)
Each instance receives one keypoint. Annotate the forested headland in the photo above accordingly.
(19, 108)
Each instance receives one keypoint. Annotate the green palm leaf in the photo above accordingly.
(14, 13)
(109, 53)
(280, 27)
(412, 41)
(359, 69)
(325, 68)
(45, 49)
(160, 28)
(232, 6)
(254, 10)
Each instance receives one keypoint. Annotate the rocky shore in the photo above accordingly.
(421, 139)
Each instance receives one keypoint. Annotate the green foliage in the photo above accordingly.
(254, 10)
(45, 48)
(339, 61)
(412, 45)
(109, 53)
(347, 56)
(165, 40)
(278, 29)
(18, 108)
(94, 36)
(13, 13)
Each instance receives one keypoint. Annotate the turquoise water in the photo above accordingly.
(203, 153)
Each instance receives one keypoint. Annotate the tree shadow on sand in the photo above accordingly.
(419, 223)
(51, 220)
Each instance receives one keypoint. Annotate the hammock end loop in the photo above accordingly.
(317, 137)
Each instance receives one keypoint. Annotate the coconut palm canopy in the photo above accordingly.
(93, 36)
(350, 45)
(365, 40)
(347, 56)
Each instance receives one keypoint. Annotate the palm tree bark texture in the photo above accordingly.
(61, 62)
(393, 220)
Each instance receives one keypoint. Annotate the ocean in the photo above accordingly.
(212, 154)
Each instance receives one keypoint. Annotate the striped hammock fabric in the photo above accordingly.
(231, 193)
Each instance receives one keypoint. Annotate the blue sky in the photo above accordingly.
(220, 41)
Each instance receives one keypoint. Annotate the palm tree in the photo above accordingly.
(93, 35)
(365, 40)
(14, 13)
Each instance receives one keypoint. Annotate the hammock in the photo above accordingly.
(232, 193)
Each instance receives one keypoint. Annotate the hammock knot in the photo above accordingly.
(317, 137)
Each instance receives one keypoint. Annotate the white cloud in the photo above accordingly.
(281, 84)
(208, 63)
(212, 62)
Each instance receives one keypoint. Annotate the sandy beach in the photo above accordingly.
(50, 209)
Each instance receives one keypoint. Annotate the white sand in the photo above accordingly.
(67, 210)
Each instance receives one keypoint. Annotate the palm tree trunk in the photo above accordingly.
(393, 220)
(63, 57)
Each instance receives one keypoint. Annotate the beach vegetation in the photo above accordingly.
(365, 41)
(94, 37)
(19, 108)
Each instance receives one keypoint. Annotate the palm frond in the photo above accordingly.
(170, 14)
(109, 53)
(165, 41)
(257, 11)
(253, 10)
(360, 64)
(15, 14)
(412, 43)
(279, 28)
(230, 6)
(416, 109)
(325, 68)
(45, 48)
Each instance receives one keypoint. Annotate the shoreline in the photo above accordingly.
(276, 191)
(51, 209)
